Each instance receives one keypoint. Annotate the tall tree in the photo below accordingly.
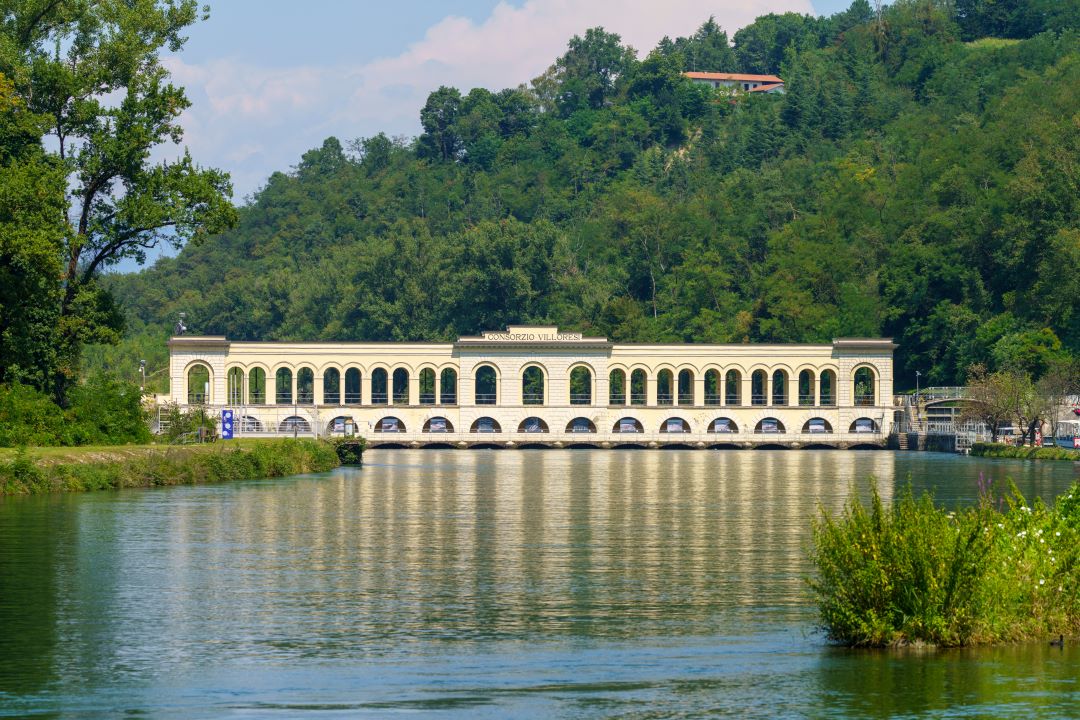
(92, 68)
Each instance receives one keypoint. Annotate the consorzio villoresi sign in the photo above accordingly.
(532, 336)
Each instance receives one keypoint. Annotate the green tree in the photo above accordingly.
(92, 69)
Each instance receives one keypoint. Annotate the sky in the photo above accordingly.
(270, 79)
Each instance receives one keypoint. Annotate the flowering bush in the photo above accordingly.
(1001, 571)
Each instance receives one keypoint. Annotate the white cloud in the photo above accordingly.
(252, 120)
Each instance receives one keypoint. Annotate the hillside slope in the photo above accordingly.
(908, 184)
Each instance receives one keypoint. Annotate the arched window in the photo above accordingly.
(283, 387)
(448, 387)
(533, 425)
(712, 387)
(638, 387)
(828, 388)
(665, 392)
(438, 425)
(532, 386)
(198, 385)
(485, 425)
(769, 426)
(779, 388)
(864, 425)
(723, 425)
(686, 387)
(341, 425)
(256, 386)
(294, 424)
(581, 386)
(758, 388)
(427, 386)
(331, 386)
(379, 392)
(617, 388)
(675, 425)
(806, 387)
(627, 425)
(401, 386)
(389, 425)
(486, 390)
(580, 425)
(864, 387)
(305, 386)
(733, 388)
(234, 386)
(817, 425)
(352, 387)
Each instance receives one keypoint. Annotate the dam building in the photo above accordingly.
(533, 386)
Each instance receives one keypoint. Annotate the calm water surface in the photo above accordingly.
(483, 584)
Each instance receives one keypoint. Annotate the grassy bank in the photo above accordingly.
(45, 470)
(999, 450)
(1003, 571)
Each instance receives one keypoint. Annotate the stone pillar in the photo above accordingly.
(414, 389)
(317, 390)
(699, 390)
(650, 390)
(747, 383)
(793, 391)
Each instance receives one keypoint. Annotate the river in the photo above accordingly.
(484, 584)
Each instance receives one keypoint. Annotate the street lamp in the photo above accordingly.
(917, 376)
(142, 376)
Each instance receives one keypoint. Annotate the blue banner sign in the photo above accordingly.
(226, 424)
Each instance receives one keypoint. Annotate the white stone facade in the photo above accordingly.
(836, 394)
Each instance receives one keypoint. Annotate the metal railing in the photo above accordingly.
(664, 399)
(532, 398)
(581, 398)
(712, 399)
(485, 398)
(864, 401)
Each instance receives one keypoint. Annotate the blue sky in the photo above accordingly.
(270, 79)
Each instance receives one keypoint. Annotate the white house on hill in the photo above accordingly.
(739, 81)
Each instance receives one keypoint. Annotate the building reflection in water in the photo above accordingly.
(490, 544)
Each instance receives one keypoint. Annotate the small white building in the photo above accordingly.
(738, 82)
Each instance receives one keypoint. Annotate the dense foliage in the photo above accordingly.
(912, 572)
(917, 180)
(102, 411)
(84, 100)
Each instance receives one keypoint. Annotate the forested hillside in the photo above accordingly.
(919, 179)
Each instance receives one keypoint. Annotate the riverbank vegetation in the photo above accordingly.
(1003, 571)
(110, 468)
(100, 411)
(999, 450)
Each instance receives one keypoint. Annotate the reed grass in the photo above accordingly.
(911, 572)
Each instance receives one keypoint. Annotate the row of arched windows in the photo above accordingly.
(577, 425)
(622, 425)
(809, 389)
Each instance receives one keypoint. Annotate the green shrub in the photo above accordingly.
(912, 572)
(103, 412)
(29, 417)
(350, 451)
(1000, 450)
